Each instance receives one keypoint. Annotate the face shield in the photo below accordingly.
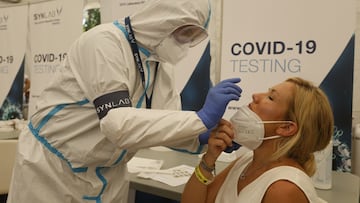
(190, 34)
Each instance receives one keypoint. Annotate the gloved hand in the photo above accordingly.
(217, 99)
(203, 138)
(234, 147)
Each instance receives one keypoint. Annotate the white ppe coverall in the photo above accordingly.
(67, 153)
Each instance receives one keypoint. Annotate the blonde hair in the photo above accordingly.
(311, 110)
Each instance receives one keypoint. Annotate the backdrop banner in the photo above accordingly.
(117, 9)
(13, 31)
(266, 42)
(53, 27)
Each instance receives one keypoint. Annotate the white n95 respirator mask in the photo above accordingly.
(249, 128)
(171, 51)
(175, 47)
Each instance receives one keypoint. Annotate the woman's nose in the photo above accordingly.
(257, 97)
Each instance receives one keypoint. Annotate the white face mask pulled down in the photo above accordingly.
(249, 128)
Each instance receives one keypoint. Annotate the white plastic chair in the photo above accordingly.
(7, 159)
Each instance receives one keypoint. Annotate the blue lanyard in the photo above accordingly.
(135, 49)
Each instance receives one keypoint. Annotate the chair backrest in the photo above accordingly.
(7, 159)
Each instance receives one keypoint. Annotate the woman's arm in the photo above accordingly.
(196, 190)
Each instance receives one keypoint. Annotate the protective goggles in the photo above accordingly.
(190, 34)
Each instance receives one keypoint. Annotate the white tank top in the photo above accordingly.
(255, 191)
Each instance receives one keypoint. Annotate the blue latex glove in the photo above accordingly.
(234, 147)
(216, 101)
(204, 137)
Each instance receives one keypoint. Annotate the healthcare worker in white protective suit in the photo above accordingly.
(95, 115)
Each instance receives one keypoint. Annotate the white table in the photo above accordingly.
(345, 188)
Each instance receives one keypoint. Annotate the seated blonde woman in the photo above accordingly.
(282, 128)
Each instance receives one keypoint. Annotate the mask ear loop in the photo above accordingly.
(270, 138)
(266, 122)
(273, 122)
(291, 129)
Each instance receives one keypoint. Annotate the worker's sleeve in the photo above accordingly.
(133, 129)
(192, 147)
(100, 62)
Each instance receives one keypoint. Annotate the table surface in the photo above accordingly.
(345, 186)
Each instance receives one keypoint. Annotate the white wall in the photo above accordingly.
(356, 97)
